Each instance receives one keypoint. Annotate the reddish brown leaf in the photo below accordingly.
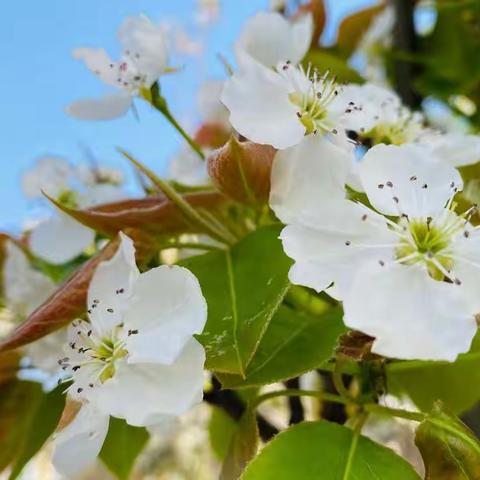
(317, 9)
(153, 215)
(354, 26)
(242, 170)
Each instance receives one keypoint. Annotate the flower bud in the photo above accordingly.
(212, 135)
(241, 170)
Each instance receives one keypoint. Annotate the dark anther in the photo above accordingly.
(424, 185)
(79, 390)
(389, 184)
(413, 178)
(132, 332)
(110, 310)
(380, 185)
(347, 243)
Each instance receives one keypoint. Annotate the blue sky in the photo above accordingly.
(39, 78)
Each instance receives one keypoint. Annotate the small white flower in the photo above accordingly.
(94, 175)
(278, 107)
(189, 169)
(144, 60)
(50, 174)
(60, 238)
(25, 289)
(136, 358)
(410, 282)
(210, 107)
(270, 38)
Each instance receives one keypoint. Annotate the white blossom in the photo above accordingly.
(409, 282)
(136, 358)
(278, 107)
(143, 61)
(270, 38)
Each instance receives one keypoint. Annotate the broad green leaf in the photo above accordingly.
(243, 446)
(449, 449)
(325, 60)
(122, 447)
(294, 343)
(221, 429)
(243, 287)
(456, 384)
(326, 451)
(42, 425)
(18, 402)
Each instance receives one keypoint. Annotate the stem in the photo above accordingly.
(360, 421)
(394, 412)
(293, 392)
(159, 103)
(180, 202)
(337, 378)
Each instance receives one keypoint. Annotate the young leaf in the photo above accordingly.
(449, 449)
(18, 402)
(243, 446)
(155, 215)
(455, 384)
(122, 447)
(294, 343)
(326, 451)
(353, 27)
(43, 424)
(241, 170)
(243, 287)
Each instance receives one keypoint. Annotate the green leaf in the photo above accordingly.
(221, 429)
(327, 451)
(243, 287)
(294, 343)
(449, 449)
(243, 446)
(18, 402)
(122, 446)
(455, 384)
(42, 425)
(325, 60)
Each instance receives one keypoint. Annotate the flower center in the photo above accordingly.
(312, 97)
(428, 242)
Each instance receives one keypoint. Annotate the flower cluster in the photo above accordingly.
(339, 228)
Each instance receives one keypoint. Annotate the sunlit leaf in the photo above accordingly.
(243, 287)
(327, 451)
(293, 344)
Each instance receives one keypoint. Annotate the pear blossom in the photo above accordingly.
(279, 107)
(407, 272)
(143, 61)
(376, 115)
(59, 238)
(25, 289)
(136, 357)
(51, 174)
(188, 168)
(270, 38)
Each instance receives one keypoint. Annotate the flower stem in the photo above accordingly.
(179, 201)
(158, 102)
(394, 412)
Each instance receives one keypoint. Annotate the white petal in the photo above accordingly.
(420, 185)
(98, 62)
(140, 393)
(338, 246)
(306, 177)
(270, 38)
(101, 193)
(188, 168)
(24, 287)
(166, 307)
(104, 108)
(50, 175)
(77, 446)
(260, 108)
(145, 43)
(111, 286)
(60, 239)
(454, 149)
(411, 315)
